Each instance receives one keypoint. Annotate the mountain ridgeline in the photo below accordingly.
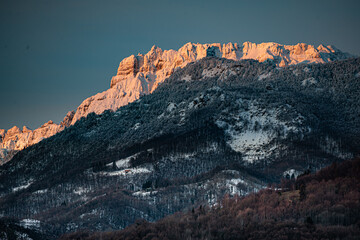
(214, 127)
(142, 74)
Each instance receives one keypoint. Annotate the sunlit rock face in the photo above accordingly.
(141, 74)
(284, 55)
(16, 139)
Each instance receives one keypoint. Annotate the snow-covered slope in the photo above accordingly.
(141, 74)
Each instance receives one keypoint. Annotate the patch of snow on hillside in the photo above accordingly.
(210, 148)
(161, 116)
(264, 76)
(200, 101)
(22, 236)
(80, 190)
(249, 141)
(92, 213)
(171, 107)
(231, 184)
(175, 156)
(136, 126)
(236, 181)
(291, 172)
(71, 227)
(26, 185)
(128, 172)
(253, 130)
(144, 193)
(30, 223)
(123, 163)
(41, 191)
(191, 105)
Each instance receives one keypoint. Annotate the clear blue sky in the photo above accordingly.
(54, 54)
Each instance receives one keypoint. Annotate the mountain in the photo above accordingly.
(15, 139)
(142, 74)
(324, 205)
(214, 127)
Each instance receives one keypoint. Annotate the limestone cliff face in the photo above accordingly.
(141, 74)
(284, 55)
(16, 139)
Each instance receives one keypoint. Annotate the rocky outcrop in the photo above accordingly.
(284, 55)
(141, 74)
(66, 122)
(16, 139)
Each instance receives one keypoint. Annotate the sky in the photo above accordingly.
(55, 54)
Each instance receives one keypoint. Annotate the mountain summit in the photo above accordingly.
(141, 74)
(214, 127)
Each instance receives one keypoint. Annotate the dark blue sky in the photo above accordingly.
(54, 54)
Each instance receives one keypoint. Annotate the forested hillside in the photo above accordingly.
(214, 127)
(324, 205)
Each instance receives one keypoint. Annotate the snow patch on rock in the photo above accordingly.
(144, 193)
(171, 107)
(30, 223)
(41, 191)
(81, 190)
(123, 163)
(128, 172)
(24, 186)
(291, 173)
(252, 130)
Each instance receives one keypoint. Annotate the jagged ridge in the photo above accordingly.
(141, 74)
(16, 139)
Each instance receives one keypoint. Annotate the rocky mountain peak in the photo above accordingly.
(67, 119)
(26, 129)
(142, 74)
(16, 139)
(2, 133)
(50, 122)
(14, 130)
